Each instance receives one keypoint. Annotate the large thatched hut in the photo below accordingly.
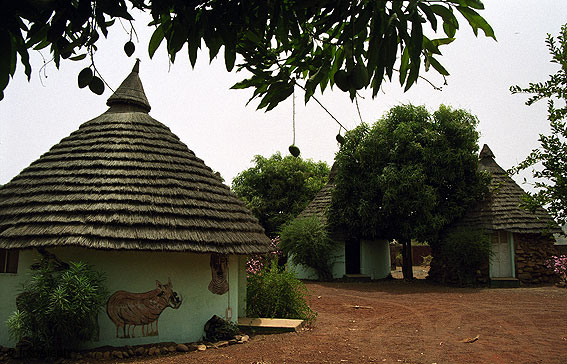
(521, 240)
(124, 194)
(353, 256)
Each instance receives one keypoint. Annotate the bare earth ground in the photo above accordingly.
(397, 322)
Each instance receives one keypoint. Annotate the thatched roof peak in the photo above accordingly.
(486, 152)
(488, 163)
(501, 209)
(124, 181)
(130, 93)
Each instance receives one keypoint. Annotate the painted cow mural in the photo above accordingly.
(128, 310)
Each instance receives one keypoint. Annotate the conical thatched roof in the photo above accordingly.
(123, 180)
(322, 200)
(501, 209)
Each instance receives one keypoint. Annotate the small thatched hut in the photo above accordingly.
(124, 194)
(353, 257)
(521, 240)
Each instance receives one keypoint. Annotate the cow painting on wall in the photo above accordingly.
(129, 310)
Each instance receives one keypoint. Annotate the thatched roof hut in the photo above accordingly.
(123, 180)
(321, 203)
(521, 241)
(501, 210)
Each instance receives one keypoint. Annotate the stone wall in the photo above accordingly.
(532, 253)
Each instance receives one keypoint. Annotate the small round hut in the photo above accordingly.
(521, 240)
(125, 195)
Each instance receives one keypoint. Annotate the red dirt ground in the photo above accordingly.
(421, 323)
(396, 322)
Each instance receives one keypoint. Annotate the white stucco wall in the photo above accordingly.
(337, 267)
(374, 261)
(375, 258)
(190, 275)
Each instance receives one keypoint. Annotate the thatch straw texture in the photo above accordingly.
(123, 180)
(501, 209)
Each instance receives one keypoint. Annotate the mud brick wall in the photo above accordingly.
(532, 253)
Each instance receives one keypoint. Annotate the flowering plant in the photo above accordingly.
(559, 265)
(256, 263)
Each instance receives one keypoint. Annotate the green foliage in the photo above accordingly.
(276, 293)
(463, 251)
(408, 175)
(278, 188)
(58, 308)
(306, 239)
(283, 44)
(550, 159)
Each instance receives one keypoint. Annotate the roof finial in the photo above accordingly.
(131, 93)
(485, 152)
(136, 67)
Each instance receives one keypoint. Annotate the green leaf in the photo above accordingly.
(155, 40)
(438, 67)
(429, 14)
(229, 57)
(476, 21)
(404, 66)
(85, 77)
(6, 54)
(447, 15)
(79, 57)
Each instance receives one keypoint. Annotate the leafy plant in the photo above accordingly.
(283, 44)
(276, 293)
(407, 176)
(550, 159)
(58, 307)
(307, 240)
(277, 189)
(463, 251)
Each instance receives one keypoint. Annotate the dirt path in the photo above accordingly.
(395, 322)
(398, 322)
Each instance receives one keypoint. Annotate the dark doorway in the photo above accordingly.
(352, 256)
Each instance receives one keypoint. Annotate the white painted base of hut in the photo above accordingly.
(137, 272)
(373, 261)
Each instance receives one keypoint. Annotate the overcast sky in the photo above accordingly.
(197, 105)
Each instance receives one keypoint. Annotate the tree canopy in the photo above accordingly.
(407, 176)
(283, 44)
(277, 189)
(550, 159)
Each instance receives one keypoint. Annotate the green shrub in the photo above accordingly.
(276, 293)
(426, 260)
(58, 307)
(463, 252)
(306, 239)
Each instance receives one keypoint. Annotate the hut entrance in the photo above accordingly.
(501, 264)
(352, 256)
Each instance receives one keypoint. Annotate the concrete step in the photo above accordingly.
(357, 278)
(269, 325)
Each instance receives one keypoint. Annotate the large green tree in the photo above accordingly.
(550, 159)
(283, 43)
(278, 188)
(407, 176)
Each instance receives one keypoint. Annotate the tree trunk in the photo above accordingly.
(407, 268)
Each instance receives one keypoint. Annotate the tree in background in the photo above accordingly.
(283, 44)
(277, 189)
(551, 157)
(407, 176)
